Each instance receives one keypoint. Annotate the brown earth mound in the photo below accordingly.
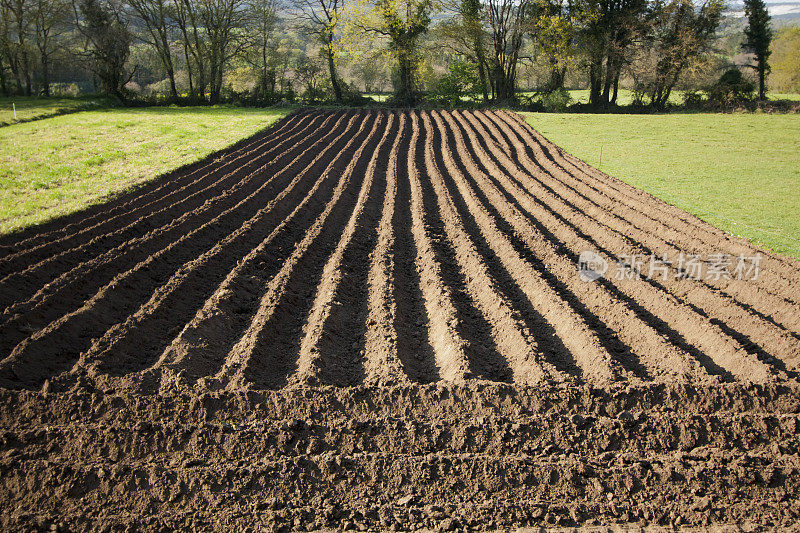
(376, 320)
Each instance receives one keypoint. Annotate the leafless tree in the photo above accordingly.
(212, 36)
(50, 24)
(506, 22)
(158, 18)
(320, 18)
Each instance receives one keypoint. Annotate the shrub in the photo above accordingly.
(461, 79)
(557, 100)
(693, 99)
(731, 88)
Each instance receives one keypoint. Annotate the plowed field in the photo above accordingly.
(375, 319)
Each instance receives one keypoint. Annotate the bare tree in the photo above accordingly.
(263, 17)
(320, 18)
(212, 34)
(158, 18)
(50, 23)
(108, 43)
(679, 33)
(506, 21)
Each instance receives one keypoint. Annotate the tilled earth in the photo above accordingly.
(375, 319)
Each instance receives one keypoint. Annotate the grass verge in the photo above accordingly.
(35, 108)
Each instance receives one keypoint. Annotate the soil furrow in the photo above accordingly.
(200, 349)
(377, 320)
(333, 346)
(695, 237)
(449, 346)
(725, 351)
(171, 308)
(382, 364)
(516, 350)
(630, 338)
(177, 218)
(414, 345)
(65, 338)
(266, 354)
(72, 289)
(112, 224)
(562, 340)
(649, 242)
(755, 332)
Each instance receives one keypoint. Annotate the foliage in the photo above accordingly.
(109, 44)
(785, 62)
(758, 36)
(678, 32)
(731, 87)
(557, 100)
(461, 80)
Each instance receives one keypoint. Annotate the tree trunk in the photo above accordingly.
(615, 88)
(595, 81)
(406, 79)
(173, 89)
(609, 78)
(478, 47)
(337, 88)
(3, 82)
(45, 75)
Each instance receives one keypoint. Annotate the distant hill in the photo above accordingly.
(781, 10)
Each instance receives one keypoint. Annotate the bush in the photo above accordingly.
(692, 99)
(731, 88)
(64, 89)
(461, 79)
(557, 100)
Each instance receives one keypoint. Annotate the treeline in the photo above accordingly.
(265, 51)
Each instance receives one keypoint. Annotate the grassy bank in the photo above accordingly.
(59, 165)
(34, 108)
(740, 172)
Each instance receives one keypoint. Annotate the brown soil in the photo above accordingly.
(375, 320)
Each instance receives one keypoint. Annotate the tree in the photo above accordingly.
(402, 22)
(785, 71)
(212, 33)
(18, 22)
(108, 43)
(610, 29)
(505, 18)
(5, 45)
(263, 19)
(472, 14)
(553, 29)
(157, 18)
(320, 18)
(679, 33)
(50, 23)
(758, 36)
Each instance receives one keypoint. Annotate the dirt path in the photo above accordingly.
(375, 319)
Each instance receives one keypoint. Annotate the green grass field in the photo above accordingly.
(739, 172)
(59, 165)
(36, 108)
